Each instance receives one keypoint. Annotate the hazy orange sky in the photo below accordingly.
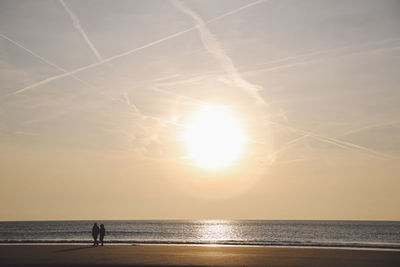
(96, 97)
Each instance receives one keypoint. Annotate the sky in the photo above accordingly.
(96, 99)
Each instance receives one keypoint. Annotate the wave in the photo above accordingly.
(222, 243)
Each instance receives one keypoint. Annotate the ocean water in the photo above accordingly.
(360, 234)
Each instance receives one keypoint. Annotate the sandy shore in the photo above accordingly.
(118, 255)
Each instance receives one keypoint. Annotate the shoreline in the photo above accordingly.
(182, 255)
(383, 248)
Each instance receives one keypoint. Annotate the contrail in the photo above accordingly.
(45, 61)
(26, 133)
(338, 142)
(367, 128)
(287, 162)
(320, 52)
(134, 108)
(32, 53)
(127, 102)
(286, 61)
(42, 59)
(274, 155)
(213, 46)
(57, 77)
(235, 11)
(304, 62)
(61, 69)
(126, 97)
(178, 95)
(78, 27)
(101, 62)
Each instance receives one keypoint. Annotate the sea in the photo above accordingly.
(329, 234)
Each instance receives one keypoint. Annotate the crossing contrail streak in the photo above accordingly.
(78, 27)
(365, 128)
(32, 53)
(305, 134)
(101, 62)
(26, 133)
(363, 148)
(213, 46)
(197, 101)
(59, 68)
(287, 162)
(312, 60)
(335, 141)
(321, 52)
(57, 77)
(286, 61)
(235, 11)
(135, 109)
(338, 142)
(42, 59)
(128, 103)
(274, 155)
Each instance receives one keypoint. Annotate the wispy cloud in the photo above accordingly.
(236, 10)
(42, 59)
(274, 155)
(385, 45)
(213, 46)
(134, 110)
(79, 28)
(26, 133)
(340, 143)
(369, 127)
(127, 53)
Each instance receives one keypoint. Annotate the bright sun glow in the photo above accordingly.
(214, 137)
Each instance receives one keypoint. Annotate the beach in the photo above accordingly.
(161, 255)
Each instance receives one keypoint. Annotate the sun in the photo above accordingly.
(214, 137)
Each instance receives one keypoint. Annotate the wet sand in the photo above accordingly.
(127, 255)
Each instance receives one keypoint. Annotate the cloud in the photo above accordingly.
(212, 45)
(369, 127)
(340, 143)
(78, 27)
(109, 59)
(323, 54)
(42, 59)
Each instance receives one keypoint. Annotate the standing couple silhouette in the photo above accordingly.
(95, 233)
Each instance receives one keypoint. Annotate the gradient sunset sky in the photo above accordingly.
(95, 97)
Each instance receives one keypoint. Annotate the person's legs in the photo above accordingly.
(101, 240)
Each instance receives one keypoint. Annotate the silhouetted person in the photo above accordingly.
(95, 234)
(102, 233)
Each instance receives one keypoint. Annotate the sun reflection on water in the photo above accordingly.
(216, 231)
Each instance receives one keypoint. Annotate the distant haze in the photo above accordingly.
(95, 96)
